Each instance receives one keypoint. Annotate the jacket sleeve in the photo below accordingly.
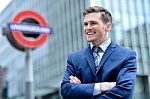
(74, 90)
(125, 80)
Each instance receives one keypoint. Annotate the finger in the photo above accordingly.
(77, 79)
(73, 79)
(70, 77)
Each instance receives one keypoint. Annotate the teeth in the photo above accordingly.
(90, 33)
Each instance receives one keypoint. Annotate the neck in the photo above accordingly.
(100, 42)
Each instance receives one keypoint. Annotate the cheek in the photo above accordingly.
(101, 29)
(84, 29)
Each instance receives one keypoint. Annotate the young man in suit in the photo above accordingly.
(103, 70)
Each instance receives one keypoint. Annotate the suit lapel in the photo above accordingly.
(107, 53)
(89, 57)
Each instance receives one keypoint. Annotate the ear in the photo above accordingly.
(108, 26)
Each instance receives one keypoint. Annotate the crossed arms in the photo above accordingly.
(103, 86)
(73, 88)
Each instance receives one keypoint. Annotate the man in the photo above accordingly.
(103, 70)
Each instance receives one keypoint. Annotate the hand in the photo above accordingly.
(74, 79)
(105, 86)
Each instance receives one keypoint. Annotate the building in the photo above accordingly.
(130, 29)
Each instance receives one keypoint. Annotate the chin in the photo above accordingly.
(90, 40)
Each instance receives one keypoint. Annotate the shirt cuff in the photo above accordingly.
(97, 89)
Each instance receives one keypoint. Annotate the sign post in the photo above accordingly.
(28, 31)
(29, 76)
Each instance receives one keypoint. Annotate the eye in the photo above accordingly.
(85, 23)
(93, 23)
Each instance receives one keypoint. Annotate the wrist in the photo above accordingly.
(100, 87)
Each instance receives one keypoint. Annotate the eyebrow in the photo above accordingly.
(89, 21)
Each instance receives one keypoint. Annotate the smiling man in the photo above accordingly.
(103, 70)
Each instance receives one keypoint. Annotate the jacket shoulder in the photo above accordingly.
(78, 53)
(124, 51)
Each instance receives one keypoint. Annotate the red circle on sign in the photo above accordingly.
(23, 40)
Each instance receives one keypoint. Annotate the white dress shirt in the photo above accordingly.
(103, 46)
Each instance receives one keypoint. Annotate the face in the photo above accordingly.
(95, 30)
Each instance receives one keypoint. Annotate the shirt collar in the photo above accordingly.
(103, 46)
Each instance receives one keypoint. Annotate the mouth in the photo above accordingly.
(91, 33)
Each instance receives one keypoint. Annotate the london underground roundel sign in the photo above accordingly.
(18, 29)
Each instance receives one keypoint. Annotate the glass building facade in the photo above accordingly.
(131, 24)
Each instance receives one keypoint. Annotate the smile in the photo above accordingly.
(91, 33)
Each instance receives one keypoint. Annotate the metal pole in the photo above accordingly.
(29, 76)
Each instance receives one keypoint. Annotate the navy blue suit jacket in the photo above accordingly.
(118, 64)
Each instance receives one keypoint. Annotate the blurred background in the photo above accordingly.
(131, 28)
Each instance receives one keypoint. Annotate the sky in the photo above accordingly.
(3, 4)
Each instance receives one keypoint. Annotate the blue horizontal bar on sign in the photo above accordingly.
(30, 28)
